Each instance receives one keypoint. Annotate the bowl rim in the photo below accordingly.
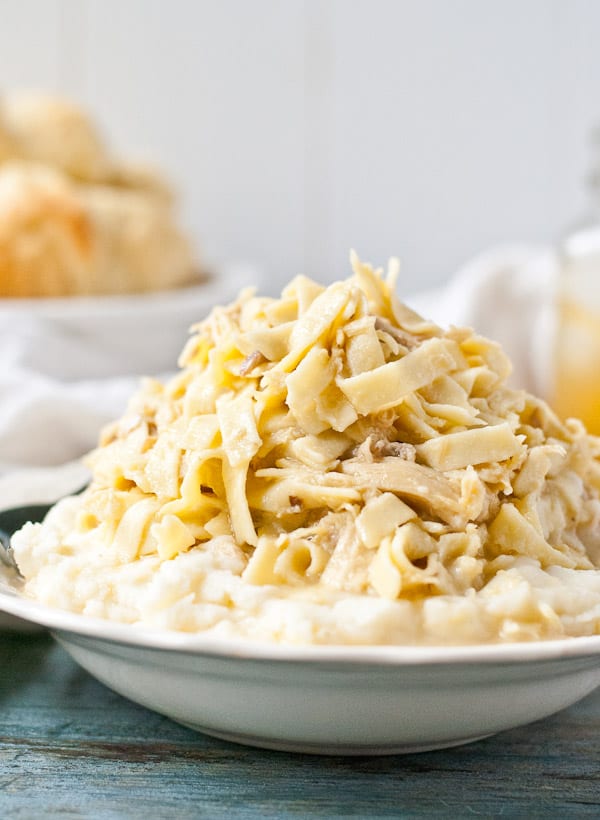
(203, 644)
(218, 284)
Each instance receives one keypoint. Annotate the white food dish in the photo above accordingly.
(326, 700)
(95, 337)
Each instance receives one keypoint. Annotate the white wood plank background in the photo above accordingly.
(296, 129)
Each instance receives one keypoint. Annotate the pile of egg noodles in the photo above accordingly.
(329, 467)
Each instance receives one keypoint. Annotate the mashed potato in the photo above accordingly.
(330, 468)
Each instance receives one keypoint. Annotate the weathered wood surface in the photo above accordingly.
(69, 747)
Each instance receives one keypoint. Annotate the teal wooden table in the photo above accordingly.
(69, 747)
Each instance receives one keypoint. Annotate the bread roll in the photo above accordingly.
(73, 220)
(58, 238)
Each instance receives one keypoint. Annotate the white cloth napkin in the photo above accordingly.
(508, 295)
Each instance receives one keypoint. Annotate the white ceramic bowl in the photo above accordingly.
(326, 700)
(107, 336)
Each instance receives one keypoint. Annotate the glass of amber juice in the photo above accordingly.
(576, 390)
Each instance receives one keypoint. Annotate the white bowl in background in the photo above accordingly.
(107, 336)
